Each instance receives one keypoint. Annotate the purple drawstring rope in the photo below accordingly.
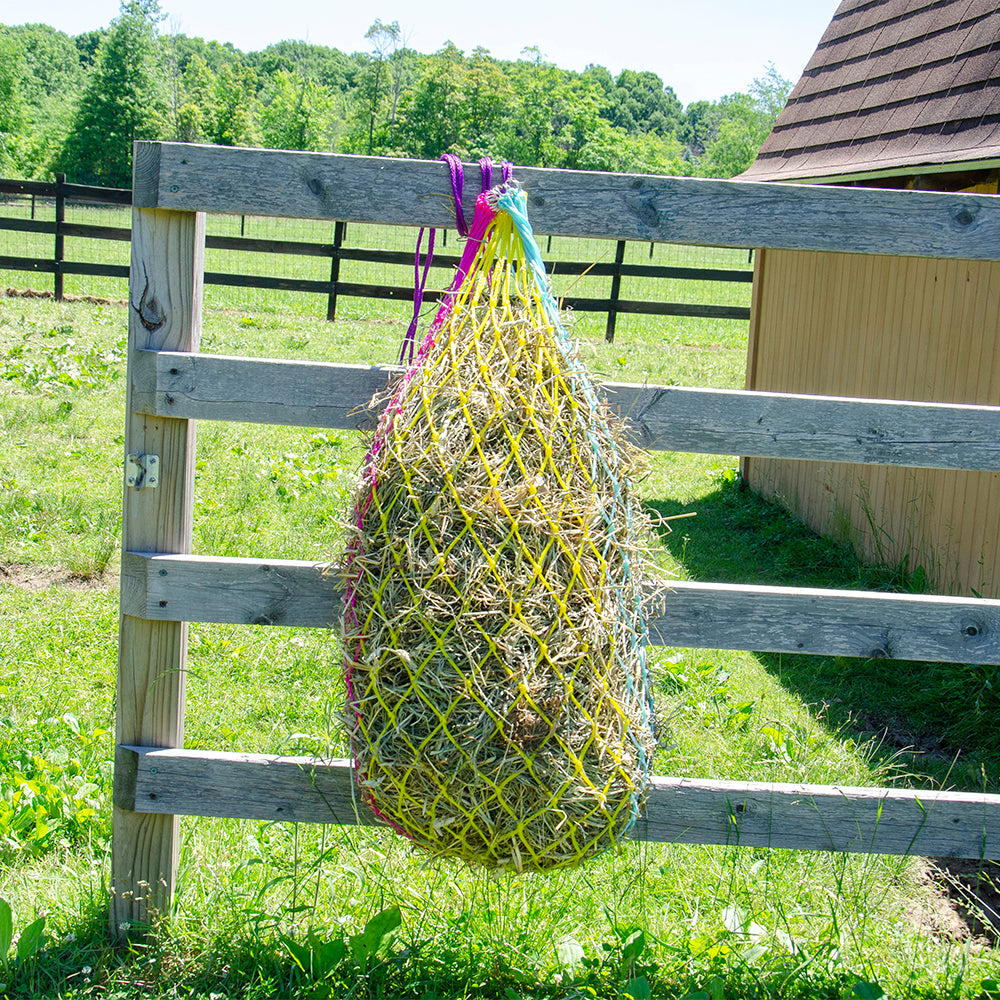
(457, 173)
(419, 283)
(457, 181)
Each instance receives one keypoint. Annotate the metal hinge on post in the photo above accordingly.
(142, 471)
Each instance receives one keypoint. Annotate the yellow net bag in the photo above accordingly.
(498, 700)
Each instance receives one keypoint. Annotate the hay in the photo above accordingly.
(497, 691)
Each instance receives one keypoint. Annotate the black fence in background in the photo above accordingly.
(57, 265)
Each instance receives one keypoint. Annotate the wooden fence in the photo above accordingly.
(59, 229)
(171, 385)
(336, 252)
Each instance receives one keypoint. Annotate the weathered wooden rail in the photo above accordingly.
(172, 385)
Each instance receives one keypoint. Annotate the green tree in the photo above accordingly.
(432, 113)
(50, 87)
(13, 111)
(375, 84)
(587, 140)
(640, 103)
(486, 101)
(745, 120)
(215, 54)
(195, 122)
(295, 113)
(87, 45)
(123, 100)
(328, 67)
(700, 125)
(539, 99)
(231, 121)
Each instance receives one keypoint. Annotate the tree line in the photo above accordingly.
(75, 104)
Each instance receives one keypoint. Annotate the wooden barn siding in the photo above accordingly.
(893, 328)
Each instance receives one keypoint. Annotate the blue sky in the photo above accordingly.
(701, 48)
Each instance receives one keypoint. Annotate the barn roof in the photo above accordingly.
(894, 86)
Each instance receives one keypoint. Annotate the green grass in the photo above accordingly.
(277, 910)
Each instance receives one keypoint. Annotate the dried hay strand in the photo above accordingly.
(497, 692)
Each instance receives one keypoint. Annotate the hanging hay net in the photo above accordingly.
(497, 692)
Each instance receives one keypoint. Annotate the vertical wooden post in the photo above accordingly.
(57, 274)
(616, 284)
(338, 241)
(165, 298)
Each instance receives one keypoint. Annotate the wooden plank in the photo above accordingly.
(103, 270)
(27, 264)
(398, 292)
(266, 281)
(656, 308)
(59, 254)
(687, 273)
(339, 229)
(678, 810)
(713, 421)
(572, 202)
(44, 188)
(164, 313)
(27, 226)
(89, 192)
(615, 293)
(246, 244)
(828, 428)
(240, 786)
(297, 393)
(88, 232)
(404, 258)
(706, 615)
(861, 624)
(213, 589)
(401, 257)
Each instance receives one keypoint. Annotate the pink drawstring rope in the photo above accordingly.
(457, 174)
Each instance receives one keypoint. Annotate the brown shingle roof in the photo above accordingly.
(893, 84)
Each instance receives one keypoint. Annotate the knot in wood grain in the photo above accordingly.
(645, 210)
(964, 215)
(149, 310)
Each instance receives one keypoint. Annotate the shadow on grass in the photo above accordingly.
(930, 720)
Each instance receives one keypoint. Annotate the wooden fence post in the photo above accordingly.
(57, 274)
(165, 301)
(616, 284)
(339, 229)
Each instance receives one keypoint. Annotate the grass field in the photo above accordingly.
(258, 301)
(279, 910)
